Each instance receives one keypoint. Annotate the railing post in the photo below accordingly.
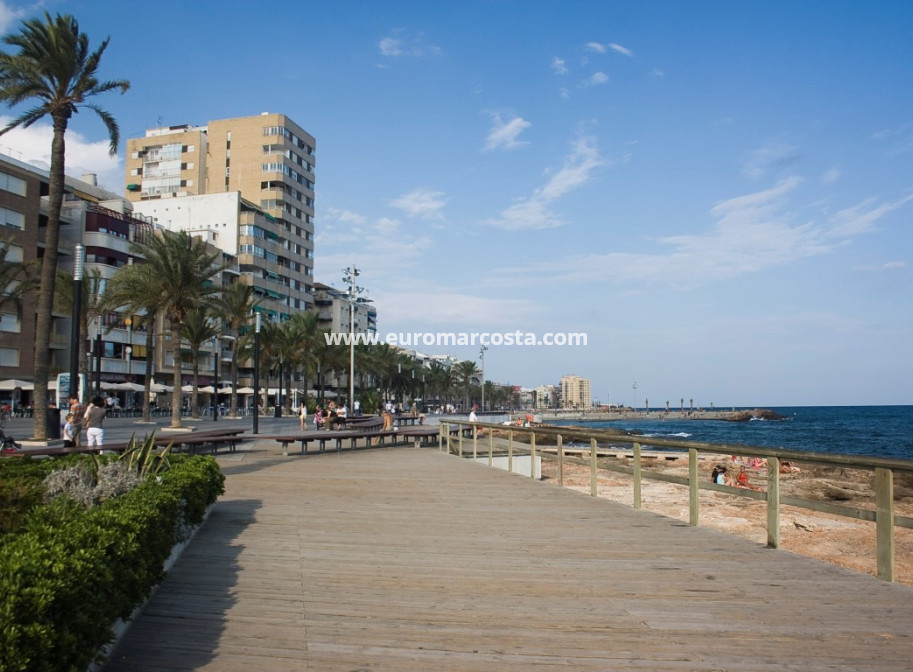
(460, 440)
(694, 488)
(593, 491)
(491, 447)
(532, 455)
(884, 522)
(560, 461)
(442, 431)
(475, 442)
(773, 502)
(637, 482)
(510, 451)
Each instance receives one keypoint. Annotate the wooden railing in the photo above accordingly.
(462, 438)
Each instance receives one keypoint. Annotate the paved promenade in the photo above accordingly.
(409, 560)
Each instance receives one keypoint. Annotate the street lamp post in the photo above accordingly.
(277, 411)
(98, 356)
(482, 357)
(215, 379)
(256, 374)
(75, 336)
(350, 274)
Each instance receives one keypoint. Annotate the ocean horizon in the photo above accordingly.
(876, 431)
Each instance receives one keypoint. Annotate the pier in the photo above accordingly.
(409, 559)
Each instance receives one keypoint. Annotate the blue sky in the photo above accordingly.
(720, 194)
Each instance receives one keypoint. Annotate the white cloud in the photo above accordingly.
(422, 203)
(751, 233)
(558, 66)
(861, 218)
(503, 134)
(33, 145)
(657, 72)
(596, 79)
(401, 45)
(831, 175)
(773, 155)
(453, 311)
(344, 216)
(595, 46)
(9, 17)
(620, 49)
(390, 47)
(887, 266)
(533, 212)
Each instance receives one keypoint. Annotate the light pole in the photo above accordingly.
(215, 379)
(129, 351)
(482, 357)
(256, 374)
(634, 403)
(79, 262)
(350, 274)
(98, 356)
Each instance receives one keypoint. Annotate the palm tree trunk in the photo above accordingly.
(45, 305)
(176, 392)
(150, 356)
(194, 399)
(233, 367)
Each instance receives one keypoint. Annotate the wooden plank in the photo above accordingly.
(409, 560)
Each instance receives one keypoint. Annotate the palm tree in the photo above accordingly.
(467, 373)
(197, 328)
(55, 69)
(235, 307)
(183, 267)
(305, 339)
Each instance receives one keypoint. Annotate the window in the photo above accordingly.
(9, 357)
(14, 253)
(10, 323)
(12, 219)
(12, 184)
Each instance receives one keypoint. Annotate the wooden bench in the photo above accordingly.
(190, 442)
(367, 423)
(403, 420)
(213, 438)
(370, 438)
(422, 435)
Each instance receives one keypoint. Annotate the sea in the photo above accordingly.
(878, 431)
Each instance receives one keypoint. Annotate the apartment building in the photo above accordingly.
(250, 180)
(575, 392)
(334, 311)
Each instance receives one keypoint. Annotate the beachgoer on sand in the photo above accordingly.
(720, 476)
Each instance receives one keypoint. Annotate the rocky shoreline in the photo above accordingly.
(742, 415)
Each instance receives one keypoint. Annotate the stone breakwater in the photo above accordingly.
(661, 414)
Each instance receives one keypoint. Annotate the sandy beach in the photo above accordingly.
(842, 541)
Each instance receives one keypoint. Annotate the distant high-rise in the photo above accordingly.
(575, 392)
(268, 162)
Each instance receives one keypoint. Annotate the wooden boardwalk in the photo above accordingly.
(409, 560)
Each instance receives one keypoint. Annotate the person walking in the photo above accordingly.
(77, 410)
(302, 416)
(94, 421)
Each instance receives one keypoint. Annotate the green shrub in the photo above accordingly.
(72, 571)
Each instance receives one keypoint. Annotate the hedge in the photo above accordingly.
(72, 572)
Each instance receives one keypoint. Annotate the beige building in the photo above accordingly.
(575, 392)
(250, 183)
